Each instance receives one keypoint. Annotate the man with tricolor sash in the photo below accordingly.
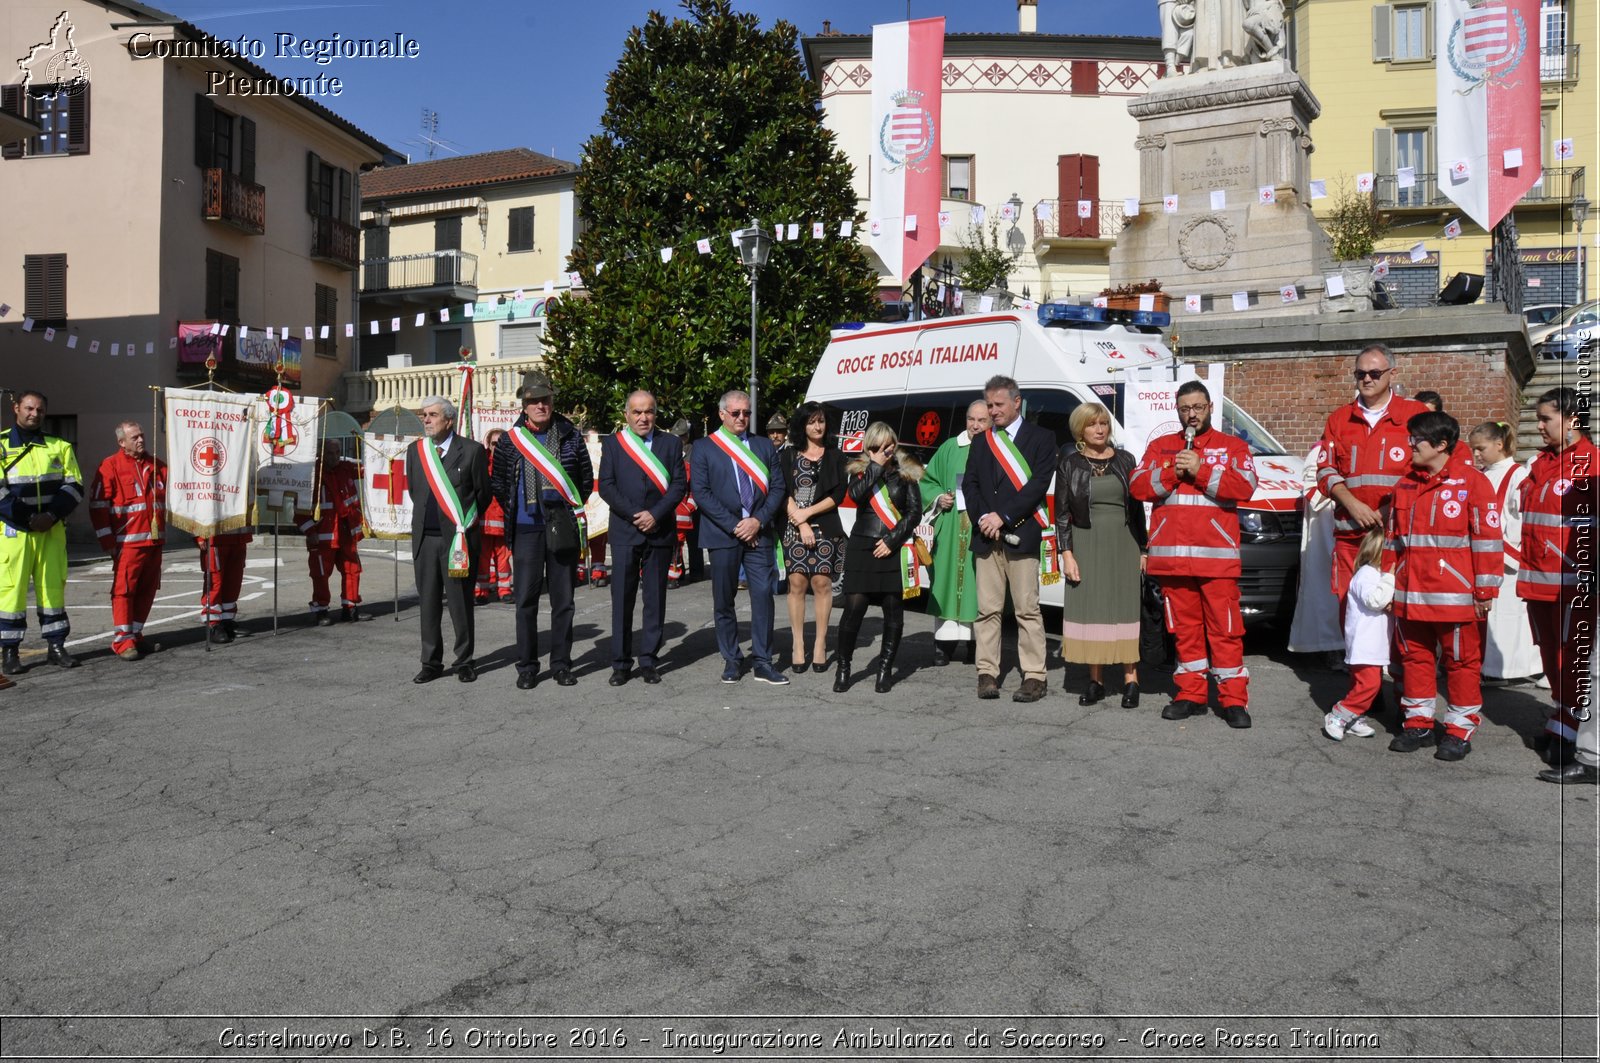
(542, 474)
(1007, 475)
(447, 475)
(736, 484)
(641, 479)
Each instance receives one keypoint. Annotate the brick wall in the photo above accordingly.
(1291, 395)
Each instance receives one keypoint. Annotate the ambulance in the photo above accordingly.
(919, 378)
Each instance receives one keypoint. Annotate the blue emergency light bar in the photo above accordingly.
(1065, 313)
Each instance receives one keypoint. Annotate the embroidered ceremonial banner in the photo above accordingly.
(210, 455)
(287, 471)
(1487, 78)
(385, 494)
(907, 58)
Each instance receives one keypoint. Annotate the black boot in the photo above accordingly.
(891, 647)
(849, 629)
(59, 656)
(841, 677)
(10, 661)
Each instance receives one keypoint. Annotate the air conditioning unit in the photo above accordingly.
(399, 361)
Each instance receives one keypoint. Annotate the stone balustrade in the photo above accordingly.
(495, 383)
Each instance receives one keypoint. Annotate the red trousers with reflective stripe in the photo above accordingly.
(494, 567)
(322, 564)
(1204, 612)
(1365, 682)
(1554, 632)
(224, 562)
(133, 591)
(1461, 644)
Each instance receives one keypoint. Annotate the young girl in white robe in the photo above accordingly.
(1508, 649)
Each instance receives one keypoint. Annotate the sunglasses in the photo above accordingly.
(738, 413)
(1418, 441)
(1369, 374)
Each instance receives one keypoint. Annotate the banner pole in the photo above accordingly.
(397, 581)
(277, 513)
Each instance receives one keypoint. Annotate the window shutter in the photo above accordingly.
(1427, 29)
(1069, 181)
(346, 184)
(1091, 192)
(78, 121)
(1085, 77)
(205, 131)
(45, 288)
(1382, 152)
(247, 151)
(313, 175)
(1382, 50)
(11, 100)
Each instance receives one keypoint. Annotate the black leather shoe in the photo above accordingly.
(1130, 696)
(59, 656)
(649, 675)
(350, 614)
(10, 661)
(1572, 774)
(1236, 716)
(1182, 710)
(1092, 693)
(619, 676)
(1452, 748)
(799, 667)
(220, 635)
(1554, 750)
(940, 657)
(527, 680)
(467, 673)
(819, 667)
(1411, 739)
(427, 675)
(565, 678)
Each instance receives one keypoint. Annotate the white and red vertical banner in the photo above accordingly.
(210, 456)
(1488, 103)
(907, 62)
(385, 494)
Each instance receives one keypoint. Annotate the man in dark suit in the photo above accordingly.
(438, 544)
(641, 479)
(1007, 475)
(542, 474)
(739, 489)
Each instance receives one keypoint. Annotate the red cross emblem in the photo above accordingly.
(207, 456)
(393, 482)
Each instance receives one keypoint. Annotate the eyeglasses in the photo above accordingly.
(1370, 374)
(543, 400)
(738, 413)
(1186, 410)
(1418, 441)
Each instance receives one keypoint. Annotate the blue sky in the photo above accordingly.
(506, 74)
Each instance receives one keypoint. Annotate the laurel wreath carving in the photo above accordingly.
(1215, 260)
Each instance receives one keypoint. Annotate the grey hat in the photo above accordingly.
(535, 385)
(778, 422)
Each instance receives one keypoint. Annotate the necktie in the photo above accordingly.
(747, 491)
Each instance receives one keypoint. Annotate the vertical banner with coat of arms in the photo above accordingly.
(286, 444)
(210, 454)
(1489, 150)
(385, 494)
(907, 62)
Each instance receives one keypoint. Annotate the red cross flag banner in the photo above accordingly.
(385, 495)
(287, 439)
(907, 58)
(210, 455)
(1488, 103)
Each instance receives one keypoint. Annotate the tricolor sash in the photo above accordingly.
(742, 456)
(444, 493)
(529, 447)
(889, 514)
(1018, 472)
(636, 448)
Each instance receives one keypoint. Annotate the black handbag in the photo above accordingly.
(1154, 642)
(561, 532)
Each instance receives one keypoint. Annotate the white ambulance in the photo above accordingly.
(919, 377)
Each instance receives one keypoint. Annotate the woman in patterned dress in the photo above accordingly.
(813, 539)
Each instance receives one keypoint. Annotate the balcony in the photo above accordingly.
(1558, 187)
(424, 278)
(225, 198)
(1104, 222)
(494, 383)
(1558, 64)
(335, 242)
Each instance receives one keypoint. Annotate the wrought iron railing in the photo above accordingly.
(1105, 220)
(432, 269)
(334, 241)
(227, 198)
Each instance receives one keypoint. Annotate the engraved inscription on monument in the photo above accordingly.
(1202, 167)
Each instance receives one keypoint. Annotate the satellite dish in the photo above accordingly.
(396, 422)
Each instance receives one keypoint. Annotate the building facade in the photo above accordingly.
(1036, 121)
(1372, 66)
(149, 201)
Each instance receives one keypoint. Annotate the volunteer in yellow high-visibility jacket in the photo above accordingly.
(39, 486)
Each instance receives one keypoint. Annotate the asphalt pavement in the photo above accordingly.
(282, 847)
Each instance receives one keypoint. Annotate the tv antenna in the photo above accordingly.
(430, 129)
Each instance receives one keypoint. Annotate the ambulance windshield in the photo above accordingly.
(1236, 422)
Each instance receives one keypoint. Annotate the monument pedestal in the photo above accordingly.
(1233, 131)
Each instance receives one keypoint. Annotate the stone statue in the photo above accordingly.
(1219, 37)
(1177, 33)
(1263, 24)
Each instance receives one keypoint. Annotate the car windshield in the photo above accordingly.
(1583, 313)
(1238, 423)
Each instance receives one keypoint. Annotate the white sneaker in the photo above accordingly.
(1333, 726)
(1360, 728)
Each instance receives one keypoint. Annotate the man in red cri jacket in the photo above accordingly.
(128, 506)
(1196, 479)
(332, 535)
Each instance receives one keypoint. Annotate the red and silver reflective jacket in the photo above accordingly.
(684, 514)
(1443, 544)
(1368, 459)
(128, 503)
(494, 518)
(1558, 522)
(1194, 527)
(338, 520)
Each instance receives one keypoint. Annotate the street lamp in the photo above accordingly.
(1580, 212)
(1016, 243)
(754, 243)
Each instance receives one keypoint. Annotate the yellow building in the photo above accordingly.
(1371, 64)
(491, 231)
(167, 183)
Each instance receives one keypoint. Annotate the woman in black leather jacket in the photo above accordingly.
(875, 565)
(1102, 534)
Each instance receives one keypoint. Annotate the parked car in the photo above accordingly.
(1571, 331)
(1542, 315)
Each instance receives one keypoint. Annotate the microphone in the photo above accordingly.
(1188, 438)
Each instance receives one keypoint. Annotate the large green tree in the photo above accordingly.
(710, 122)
